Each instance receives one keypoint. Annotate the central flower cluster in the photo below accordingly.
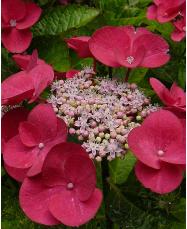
(100, 111)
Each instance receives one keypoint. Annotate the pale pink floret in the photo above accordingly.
(67, 184)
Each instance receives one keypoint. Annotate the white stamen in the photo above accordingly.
(70, 186)
(130, 59)
(12, 23)
(184, 28)
(160, 152)
(41, 145)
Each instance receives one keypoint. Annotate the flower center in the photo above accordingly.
(70, 186)
(41, 145)
(130, 59)
(184, 28)
(160, 152)
(12, 23)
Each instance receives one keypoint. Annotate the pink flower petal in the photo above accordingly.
(82, 175)
(23, 60)
(80, 45)
(67, 208)
(152, 12)
(161, 181)
(105, 43)
(10, 122)
(17, 174)
(17, 155)
(156, 50)
(16, 41)
(160, 131)
(29, 134)
(31, 17)
(162, 92)
(34, 199)
(177, 35)
(14, 10)
(179, 94)
(144, 147)
(42, 76)
(54, 162)
(71, 73)
(43, 116)
(131, 58)
(16, 88)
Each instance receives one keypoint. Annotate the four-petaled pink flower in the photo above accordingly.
(164, 11)
(127, 47)
(159, 146)
(173, 98)
(29, 83)
(65, 191)
(9, 128)
(80, 45)
(36, 136)
(17, 17)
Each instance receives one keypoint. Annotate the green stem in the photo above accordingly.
(110, 72)
(94, 65)
(106, 189)
(127, 74)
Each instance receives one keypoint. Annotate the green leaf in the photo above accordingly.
(180, 210)
(8, 65)
(54, 51)
(121, 168)
(60, 19)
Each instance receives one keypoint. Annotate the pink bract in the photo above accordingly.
(17, 17)
(9, 128)
(164, 11)
(160, 147)
(80, 45)
(71, 73)
(66, 185)
(174, 98)
(163, 180)
(29, 83)
(37, 135)
(127, 47)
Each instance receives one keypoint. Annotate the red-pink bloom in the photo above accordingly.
(65, 192)
(29, 83)
(164, 11)
(71, 73)
(179, 32)
(80, 45)
(159, 146)
(174, 98)
(17, 17)
(9, 128)
(36, 136)
(127, 47)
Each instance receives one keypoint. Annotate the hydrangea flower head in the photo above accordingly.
(99, 111)
(17, 18)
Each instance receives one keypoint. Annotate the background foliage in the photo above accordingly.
(127, 204)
